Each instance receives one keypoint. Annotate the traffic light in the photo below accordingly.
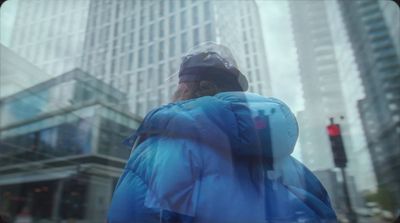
(335, 137)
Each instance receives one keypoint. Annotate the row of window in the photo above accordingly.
(149, 54)
(48, 29)
(104, 16)
(33, 11)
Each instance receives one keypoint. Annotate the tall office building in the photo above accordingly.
(379, 66)
(50, 34)
(323, 97)
(136, 46)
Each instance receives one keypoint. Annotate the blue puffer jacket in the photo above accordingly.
(224, 158)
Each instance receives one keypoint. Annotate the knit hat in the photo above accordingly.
(212, 62)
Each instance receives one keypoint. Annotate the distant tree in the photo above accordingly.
(383, 197)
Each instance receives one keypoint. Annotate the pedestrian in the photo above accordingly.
(217, 154)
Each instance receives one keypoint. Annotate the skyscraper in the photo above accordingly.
(50, 34)
(136, 45)
(320, 81)
(379, 66)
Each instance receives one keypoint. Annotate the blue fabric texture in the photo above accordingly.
(222, 158)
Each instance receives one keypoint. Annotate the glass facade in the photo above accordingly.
(77, 77)
(61, 125)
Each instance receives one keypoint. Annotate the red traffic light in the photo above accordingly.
(333, 130)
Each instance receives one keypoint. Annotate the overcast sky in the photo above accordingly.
(281, 52)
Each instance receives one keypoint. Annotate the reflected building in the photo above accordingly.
(375, 48)
(13, 77)
(136, 46)
(60, 148)
(319, 75)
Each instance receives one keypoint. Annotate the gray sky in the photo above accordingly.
(282, 56)
(281, 52)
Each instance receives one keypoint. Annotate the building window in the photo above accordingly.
(160, 96)
(92, 40)
(183, 20)
(209, 32)
(196, 36)
(183, 3)
(242, 22)
(132, 39)
(116, 29)
(123, 40)
(172, 69)
(161, 28)
(172, 46)
(258, 76)
(140, 81)
(184, 42)
(117, 9)
(151, 32)
(140, 58)
(161, 9)
(248, 62)
(160, 74)
(151, 54)
(112, 69)
(161, 50)
(130, 61)
(171, 6)
(150, 78)
(151, 12)
(207, 10)
(139, 107)
(172, 24)
(133, 23)
(124, 25)
(121, 67)
(106, 33)
(141, 36)
(142, 19)
(114, 48)
(195, 15)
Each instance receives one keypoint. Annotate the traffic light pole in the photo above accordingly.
(340, 160)
(350, 212)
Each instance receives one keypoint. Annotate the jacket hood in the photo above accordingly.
(250, 124)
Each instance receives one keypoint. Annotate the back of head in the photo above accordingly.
(207, 69)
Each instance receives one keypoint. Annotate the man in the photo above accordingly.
(217, 154)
